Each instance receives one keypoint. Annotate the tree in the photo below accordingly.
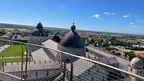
(91, 41)
(130, 54)
(99, 41)
(105, 44)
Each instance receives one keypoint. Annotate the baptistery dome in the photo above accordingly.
(72, 43)
(72, 39)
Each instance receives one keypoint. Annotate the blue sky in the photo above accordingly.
(121, 16)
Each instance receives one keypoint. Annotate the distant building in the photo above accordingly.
(8, 36)
(139, 53)
(20, 38)
(121, 48)
(37, 37)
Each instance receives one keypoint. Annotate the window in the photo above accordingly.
(131, 69)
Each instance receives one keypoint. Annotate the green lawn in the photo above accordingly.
(14, 50)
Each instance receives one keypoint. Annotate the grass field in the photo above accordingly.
(12, 54)
(14, 50)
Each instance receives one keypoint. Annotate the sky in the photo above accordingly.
(120, 16)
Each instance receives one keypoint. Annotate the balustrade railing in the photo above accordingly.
(61, 66)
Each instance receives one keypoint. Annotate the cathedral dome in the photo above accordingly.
(39, 31)
(72, 39)
(39, 26)
(137, 62)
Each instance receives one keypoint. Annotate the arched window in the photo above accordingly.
(131, 69)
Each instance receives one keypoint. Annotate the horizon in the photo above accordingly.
(104, 16)
(78, 29)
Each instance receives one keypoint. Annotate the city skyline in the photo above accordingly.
(106, 15)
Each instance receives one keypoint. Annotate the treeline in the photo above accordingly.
(14, 26)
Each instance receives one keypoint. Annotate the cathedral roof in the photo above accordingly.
(39, 31)
(72, 39)
(137, 62)
(39, 26)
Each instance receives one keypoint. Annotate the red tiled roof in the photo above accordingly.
(139, 53)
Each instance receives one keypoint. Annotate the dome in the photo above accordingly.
(137, 62)
(56, 38)
(39, 31)
(72, 39)
(39, 26)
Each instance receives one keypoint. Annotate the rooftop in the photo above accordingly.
(72, 39)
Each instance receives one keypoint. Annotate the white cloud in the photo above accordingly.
(96, 16)
(107, 13)
(125, 16)
(131, 23)
(134, 26)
